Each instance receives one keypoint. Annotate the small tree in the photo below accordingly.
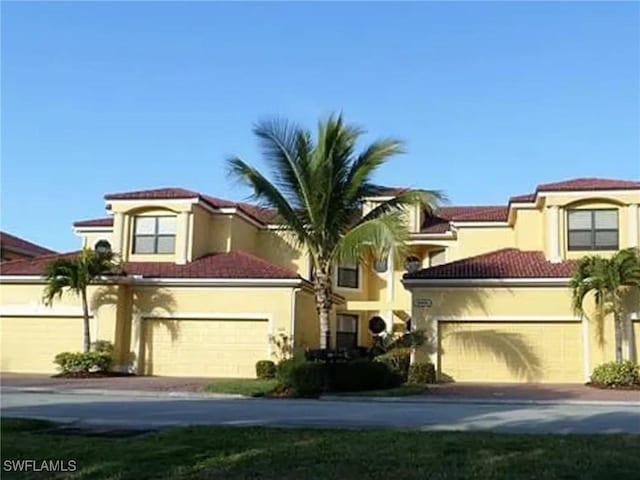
(318, 189)
(611, 280)
(76, 274)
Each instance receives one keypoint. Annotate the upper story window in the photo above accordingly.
(154, 235)
(102, 246)
(412, 264)
(593, 229)
(348, 275)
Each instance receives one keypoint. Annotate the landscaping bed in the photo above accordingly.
(232, 453)
(101, 374)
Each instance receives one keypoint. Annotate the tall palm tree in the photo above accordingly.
(612, 281)
(318, 188)
(75, 275)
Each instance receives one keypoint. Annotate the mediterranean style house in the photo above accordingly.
(206, 283)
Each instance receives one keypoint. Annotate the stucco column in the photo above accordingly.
(553, 233)
(118, 232)
(632, 226)
(389, 276)
(182, 238)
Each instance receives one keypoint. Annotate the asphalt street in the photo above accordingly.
(123, 411)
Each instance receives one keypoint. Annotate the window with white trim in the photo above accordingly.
(348, 275)
(346, 331)
(154, 234)
(592, 229)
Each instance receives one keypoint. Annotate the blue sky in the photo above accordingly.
(491, 98)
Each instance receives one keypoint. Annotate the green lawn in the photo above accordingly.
(242, 386)
(261, 453)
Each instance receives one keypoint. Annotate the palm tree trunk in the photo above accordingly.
(322, 287)
(86, 343)
(617, 320)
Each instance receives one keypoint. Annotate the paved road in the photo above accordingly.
(144, 412)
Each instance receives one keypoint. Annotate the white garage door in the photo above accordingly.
(29, 344)
(209, 348)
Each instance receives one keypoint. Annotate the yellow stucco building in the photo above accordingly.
(206, 283)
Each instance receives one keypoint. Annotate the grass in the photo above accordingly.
(290, 454)
(401, 391)
(242, 386)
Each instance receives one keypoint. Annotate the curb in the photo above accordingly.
(123, 393)
(479, 401)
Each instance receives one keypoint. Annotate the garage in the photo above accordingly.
(504, 351)
(204, 347)
(29, 343)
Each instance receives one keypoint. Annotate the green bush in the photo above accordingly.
(397, 360)
(361, 375)
(308, 379)
(265, 369)
(283, 370)
(422, 372)
(615, 374)
(102, 346)
(76, 362)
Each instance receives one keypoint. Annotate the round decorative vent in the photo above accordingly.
(102, 246)
(377, 325)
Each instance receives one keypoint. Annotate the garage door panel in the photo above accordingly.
(511, 351)
(215, 348)
(29, 344)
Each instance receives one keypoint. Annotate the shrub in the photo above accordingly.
(422, 372)
(283, 370)
(76, 362)
(361, 375)
(615, 374)
(308, 379)
(102, 346)
(265, 369)
(397, 360)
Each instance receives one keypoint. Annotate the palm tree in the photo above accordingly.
(76, 274)
(318, 188)
(612, 281)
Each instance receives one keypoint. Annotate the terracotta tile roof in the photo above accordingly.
(239, 265)
(95, 222)
(154, 194)
(578, 184)
(11, 242)
(505, 263)
(439, 221)
(31, 266)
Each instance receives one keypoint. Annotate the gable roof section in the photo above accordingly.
(233, 265)
(578, 185)
(11, 242)
(440, 220)
(499, 264)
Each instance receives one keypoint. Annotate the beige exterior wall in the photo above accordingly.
(88, 239)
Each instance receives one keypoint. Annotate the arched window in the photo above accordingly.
(102, 246)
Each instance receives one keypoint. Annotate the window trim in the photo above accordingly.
(156, 236)
(356, 334)
(593, 230)
(348, 287)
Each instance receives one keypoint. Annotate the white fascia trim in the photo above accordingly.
(523, 205)
(463, 282)
(241, 214)
(462, 223)
(40, 310)
(221, 282)
(155, 201)
(21, 279)
(635, 316)
(509, 318)
(78, 230)
(584, 193)
(377, 199)
(449, 235)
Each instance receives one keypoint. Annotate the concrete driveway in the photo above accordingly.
(123, 411)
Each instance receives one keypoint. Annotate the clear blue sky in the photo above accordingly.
(492, 98)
